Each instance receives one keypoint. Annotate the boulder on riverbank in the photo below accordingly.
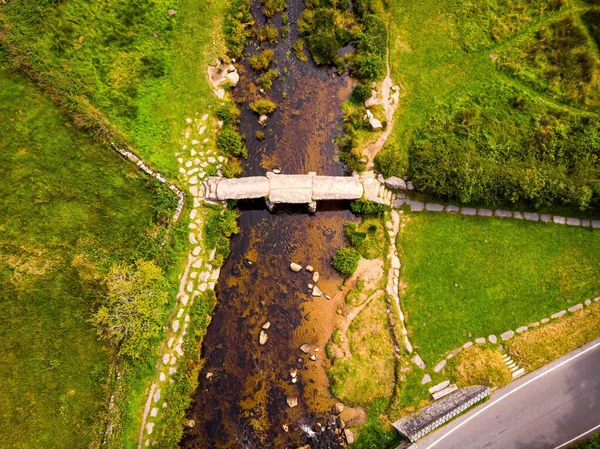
(395, 183)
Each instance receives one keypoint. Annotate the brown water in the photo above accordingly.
(241, 401)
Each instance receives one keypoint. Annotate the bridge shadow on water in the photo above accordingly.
(292, 209)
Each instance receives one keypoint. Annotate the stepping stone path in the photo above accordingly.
(417, 360)
(198, 276)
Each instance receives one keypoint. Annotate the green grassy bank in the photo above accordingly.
(468, 277)
(69, 208)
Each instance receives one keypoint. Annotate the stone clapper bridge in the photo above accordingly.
(278, 188)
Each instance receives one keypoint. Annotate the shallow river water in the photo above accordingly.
(241, 401)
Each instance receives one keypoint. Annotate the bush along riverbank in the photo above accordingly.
(355, 39)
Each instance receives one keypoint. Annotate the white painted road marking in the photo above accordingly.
(514, 391)
(577, 437)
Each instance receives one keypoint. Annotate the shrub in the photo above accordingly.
(237, 22)
(361, 93)
(261, 61)
(298, 48)
(263, 106)
(232, 168)
(267, 33)
(267, 78)
(367, 66)
(326, 32)
(231, 142)
(552, 160)
(229, 114)
(219, 227)
(131, 316)
(366, 207)
(345, 261)
(259, 135)
(272, 7)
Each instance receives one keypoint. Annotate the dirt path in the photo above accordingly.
(390, 97)
(344, 324)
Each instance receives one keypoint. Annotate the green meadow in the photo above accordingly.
(469, 277)
(69, 208)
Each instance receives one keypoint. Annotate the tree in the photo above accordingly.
(132, 314)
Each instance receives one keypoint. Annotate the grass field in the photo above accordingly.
(136, 70)
(468, 277)
(69, 207)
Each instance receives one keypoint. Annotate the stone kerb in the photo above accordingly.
(433, 416)
(418, 206)
(155, 174)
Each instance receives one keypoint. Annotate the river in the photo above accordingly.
(241, 401)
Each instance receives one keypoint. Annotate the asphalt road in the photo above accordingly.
(546, 409)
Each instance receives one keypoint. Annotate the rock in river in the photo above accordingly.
(305, 348)
(295, 267)
(317, 292)
(292, 402)
(315, 277)
(263, 337)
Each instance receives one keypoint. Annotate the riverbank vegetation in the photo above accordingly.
(70, 209)
(469, 277)
(330, 26)
(505, 96)
(367, 373)
(367, 237)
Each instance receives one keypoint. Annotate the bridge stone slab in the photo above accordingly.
(336, 188)
(243, 188)
(291, 189)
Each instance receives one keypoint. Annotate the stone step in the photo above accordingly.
(511, 365)
(515, 368)
(445, 391)
(518, 373)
